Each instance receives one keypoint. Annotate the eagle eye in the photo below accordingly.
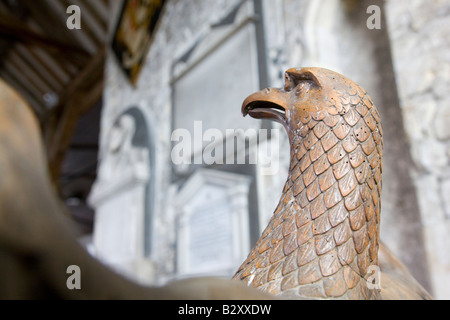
(299, 81)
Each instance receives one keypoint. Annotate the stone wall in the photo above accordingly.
(420, 40)
(334, 34)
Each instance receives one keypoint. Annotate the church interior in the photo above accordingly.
(150, 171)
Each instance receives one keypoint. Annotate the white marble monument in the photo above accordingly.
(213, 227)
(119, 197)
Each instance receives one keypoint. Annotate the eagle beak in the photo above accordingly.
(270, 103)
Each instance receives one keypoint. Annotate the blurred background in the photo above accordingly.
(111, 81)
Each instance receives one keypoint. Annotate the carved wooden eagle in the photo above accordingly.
(323, 238)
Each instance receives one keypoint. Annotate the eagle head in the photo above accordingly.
(308, 93)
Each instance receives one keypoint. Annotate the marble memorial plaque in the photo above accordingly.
(212, 91)
(213, 233)
(210, 239)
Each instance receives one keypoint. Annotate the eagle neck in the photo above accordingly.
(322, 239)
(337, 246)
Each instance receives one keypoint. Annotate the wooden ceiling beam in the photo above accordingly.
(75, 61)
(66, 126)
(27, 71)
(15, 30)
(78, 98)
(51, 65)
(95, 64)
(27, 85)
(59, 63)
(100, 11)
(91, 22)
(38, 67)
(84, 147)
(36, 105)
(58, 11)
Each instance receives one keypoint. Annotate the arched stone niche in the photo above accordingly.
(123, 196)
